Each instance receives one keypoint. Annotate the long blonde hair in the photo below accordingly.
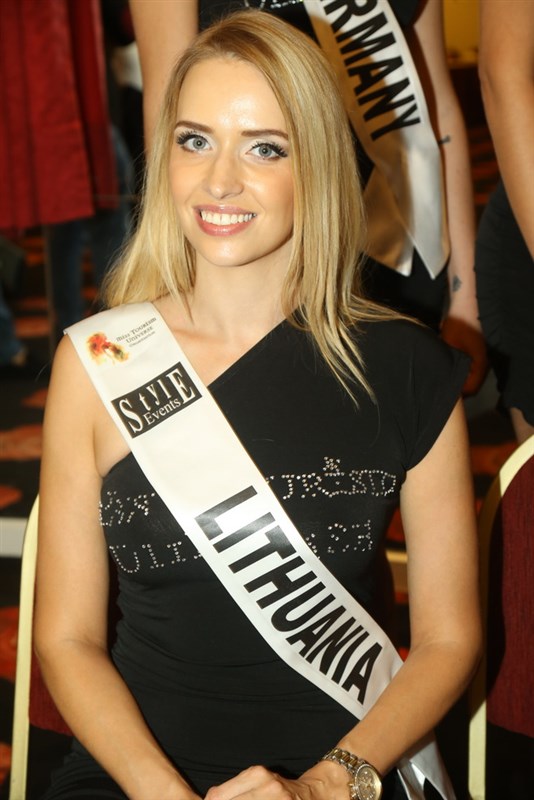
(322, 291)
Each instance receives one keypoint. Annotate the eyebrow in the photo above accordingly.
(254, 133)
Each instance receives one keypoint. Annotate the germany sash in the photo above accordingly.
(388, 112)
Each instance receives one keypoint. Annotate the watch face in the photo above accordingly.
(367, 783)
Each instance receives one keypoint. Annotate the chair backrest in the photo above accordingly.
(503, 688)
(33, 703)
(21, 722)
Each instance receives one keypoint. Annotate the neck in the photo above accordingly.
(228, 312)
(236, 302)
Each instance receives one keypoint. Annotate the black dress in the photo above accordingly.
(505, 290)
(214, 694)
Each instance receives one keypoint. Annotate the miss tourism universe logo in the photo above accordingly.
(100, 349)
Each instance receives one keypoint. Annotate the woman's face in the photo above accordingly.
(230, 167)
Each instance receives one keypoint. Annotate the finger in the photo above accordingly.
(251, 781)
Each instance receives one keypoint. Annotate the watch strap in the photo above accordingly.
(365, 779)
(344, 759)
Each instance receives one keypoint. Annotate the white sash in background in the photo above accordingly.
(195, 462)
(387, 108)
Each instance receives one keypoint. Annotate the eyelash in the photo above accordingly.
(278, 149)
(186, 136)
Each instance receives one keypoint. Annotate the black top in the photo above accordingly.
(214, 693)
(292, 11)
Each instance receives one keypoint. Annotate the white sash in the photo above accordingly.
(388, 112)
(195, 462)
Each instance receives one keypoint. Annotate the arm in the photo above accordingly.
(72, 594)
(439, 519)
(506, 69)
(163, 30)
(461, 327)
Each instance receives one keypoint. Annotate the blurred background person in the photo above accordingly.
(505, 242)
(58, 152)
(16, 361)
(105, 230)
(14, 356)
(505, 287)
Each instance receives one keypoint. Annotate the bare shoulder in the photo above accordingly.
(76, 421)
(70, 394)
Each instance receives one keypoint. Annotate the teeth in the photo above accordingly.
(224, 219)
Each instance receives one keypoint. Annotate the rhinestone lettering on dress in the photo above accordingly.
(271, 5)
(178, 555)
(346, 530)
(342, 538)
(333, 481)
(118, 510)
(114, 552)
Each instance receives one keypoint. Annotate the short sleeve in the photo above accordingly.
(437, 374)
(417, 380)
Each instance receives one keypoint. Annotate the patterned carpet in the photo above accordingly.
(22, 403)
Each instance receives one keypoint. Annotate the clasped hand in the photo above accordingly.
(259, 783)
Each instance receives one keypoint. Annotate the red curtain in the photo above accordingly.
(56, 159)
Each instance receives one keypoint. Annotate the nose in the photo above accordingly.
(224, 175)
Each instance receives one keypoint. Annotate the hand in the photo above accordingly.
(464, 336)
(325, 781)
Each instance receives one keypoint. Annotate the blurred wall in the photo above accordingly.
(461, 29)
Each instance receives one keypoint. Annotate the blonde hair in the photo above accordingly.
(322, 291)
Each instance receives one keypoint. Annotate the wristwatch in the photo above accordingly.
(366, 783)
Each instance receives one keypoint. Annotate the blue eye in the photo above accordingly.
(191, 141)
(269, 150)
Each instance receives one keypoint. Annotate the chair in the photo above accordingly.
(503, 689)
(21, 719)
(33, 704)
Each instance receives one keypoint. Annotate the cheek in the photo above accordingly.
(180, 179)
(180, 194)
(279, 195)
(273, 187)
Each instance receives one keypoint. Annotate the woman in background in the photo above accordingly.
(505, 287)
(505, 242)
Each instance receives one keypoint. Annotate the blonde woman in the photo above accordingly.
(385, 50)
(252, 659)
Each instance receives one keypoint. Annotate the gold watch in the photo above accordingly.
(366, 783)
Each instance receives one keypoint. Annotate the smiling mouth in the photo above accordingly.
(215, 218)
